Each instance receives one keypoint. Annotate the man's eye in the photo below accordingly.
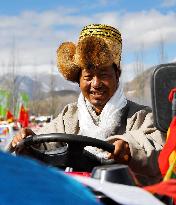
(88, 77)
(104, 75)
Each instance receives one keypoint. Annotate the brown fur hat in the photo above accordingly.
(99, 45)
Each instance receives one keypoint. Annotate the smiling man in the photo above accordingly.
(102, 110)
(98, 85)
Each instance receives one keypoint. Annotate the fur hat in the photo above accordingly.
(98, 45)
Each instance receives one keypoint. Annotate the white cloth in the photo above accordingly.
(109, 117)
(120, 193)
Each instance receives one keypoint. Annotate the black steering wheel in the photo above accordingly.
(70, 154)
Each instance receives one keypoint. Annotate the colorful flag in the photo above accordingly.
(23, 99)
(167, 157)
(4, 102)
(166, 188)
(26, 119)
(9, 116)
(23, 117)
(4, 130)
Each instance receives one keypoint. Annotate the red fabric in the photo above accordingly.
(23, 117)
(167, 188)
(9, 115)
(171, 94)
(83, 174)
(26, 119)
(170, 146)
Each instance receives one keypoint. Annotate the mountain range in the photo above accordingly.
(43, 85)
(38, 86)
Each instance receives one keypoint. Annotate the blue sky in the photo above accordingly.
(31, 30)
(17, 6)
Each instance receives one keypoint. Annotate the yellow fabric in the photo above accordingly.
(172, 162)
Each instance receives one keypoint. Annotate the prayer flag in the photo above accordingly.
(23, 117)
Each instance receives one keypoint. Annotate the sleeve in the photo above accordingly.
(145, 143)
(55, 126)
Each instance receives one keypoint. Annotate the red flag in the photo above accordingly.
(167, 188)
(167, 157)
(168, 148)
(171, 94)
(9, 116)
(26, 119)
(23, 117)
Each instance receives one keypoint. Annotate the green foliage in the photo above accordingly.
(4, 102)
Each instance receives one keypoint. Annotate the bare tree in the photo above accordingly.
(14, 81)
(35, 107)
(162, 51)
(3, 68)
(51, 91)
(139, 73)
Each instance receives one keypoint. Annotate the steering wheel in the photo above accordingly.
(70, 154)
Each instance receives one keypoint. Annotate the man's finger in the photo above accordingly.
(23, 133)
(10, 148)
(26, 132)
(118, 147)
(110, 156)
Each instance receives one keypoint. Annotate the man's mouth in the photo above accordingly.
(97, 93)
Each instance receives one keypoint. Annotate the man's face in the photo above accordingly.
(99, 84)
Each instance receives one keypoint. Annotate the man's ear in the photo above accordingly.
(117, 70)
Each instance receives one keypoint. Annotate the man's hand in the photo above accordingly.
(23, 133)
(121, 153)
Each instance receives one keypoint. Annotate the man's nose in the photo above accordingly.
(96, 82)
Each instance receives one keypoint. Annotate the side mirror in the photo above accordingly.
(163, 80)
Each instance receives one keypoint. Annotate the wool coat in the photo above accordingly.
(136, 127)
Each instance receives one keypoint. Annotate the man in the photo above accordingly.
(102, 110)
